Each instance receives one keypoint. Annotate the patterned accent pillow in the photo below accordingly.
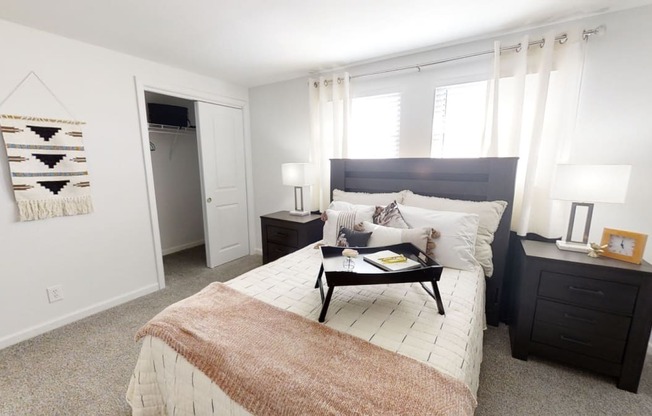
(349, 219)
(352, 238)
(389, 216)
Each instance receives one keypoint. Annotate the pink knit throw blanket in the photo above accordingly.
(274, 362)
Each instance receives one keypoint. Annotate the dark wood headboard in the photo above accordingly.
(482, 179)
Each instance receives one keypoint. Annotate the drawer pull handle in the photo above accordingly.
(575, 341)
(281, 234)
(579, 318)
(587, 291)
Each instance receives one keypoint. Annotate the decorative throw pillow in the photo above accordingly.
(389, 216)
(489, 213)
(349, 219)
(367, 199)
(352, 238)
(385, 236)
(456, 243)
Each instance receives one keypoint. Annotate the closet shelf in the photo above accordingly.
(163, 128)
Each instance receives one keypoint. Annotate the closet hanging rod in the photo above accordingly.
(586, 34)
(164, 128)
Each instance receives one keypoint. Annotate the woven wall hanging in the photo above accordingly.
(47, 163)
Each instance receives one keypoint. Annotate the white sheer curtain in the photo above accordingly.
(531, 111)
(329, 121)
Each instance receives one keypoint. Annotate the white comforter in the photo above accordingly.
(398, 317)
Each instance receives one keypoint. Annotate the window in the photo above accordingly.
(459, 120)
(460, 110)
(375, 126)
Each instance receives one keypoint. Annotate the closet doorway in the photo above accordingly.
(198, 178)
(175, 170)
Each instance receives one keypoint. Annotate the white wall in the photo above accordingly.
(280, 132)
(614, 124)
(615, 119)
(107, 257)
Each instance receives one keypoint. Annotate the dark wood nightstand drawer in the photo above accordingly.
(593, 293)
(589, 312)
(579, 341)
(282, 235)
(573, 317)
(276, 251)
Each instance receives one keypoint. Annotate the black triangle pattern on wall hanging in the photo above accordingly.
(45, 132)
(53, 186)
(49, 159)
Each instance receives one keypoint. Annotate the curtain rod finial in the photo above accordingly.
(600, 31)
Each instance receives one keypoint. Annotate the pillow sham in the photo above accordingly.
(489, 213)
(347, 206)
(367, 199)
(385, 236)
(349, 219)
(352, 238)
(390, 216)
(456, 244)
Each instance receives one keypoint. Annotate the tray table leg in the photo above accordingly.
(324, 308)
(440, 304)
(319, 284)
(435, 295)
(321, 271)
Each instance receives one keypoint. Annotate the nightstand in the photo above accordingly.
(284, 233)
(592, 313)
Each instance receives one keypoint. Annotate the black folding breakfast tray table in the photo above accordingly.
(360, 272)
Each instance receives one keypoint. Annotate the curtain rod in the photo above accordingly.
(586, 34)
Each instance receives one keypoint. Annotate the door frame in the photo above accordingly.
(143, 86)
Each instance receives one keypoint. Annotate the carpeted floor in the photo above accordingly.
(84, 368)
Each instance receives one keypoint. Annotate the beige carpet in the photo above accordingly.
(84, 368)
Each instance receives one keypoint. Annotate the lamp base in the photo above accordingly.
(299, 213)
(571, 246)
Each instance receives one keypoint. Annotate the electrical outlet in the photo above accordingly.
(55, 293)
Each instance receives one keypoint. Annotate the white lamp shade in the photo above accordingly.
(297, 174)
(591, 183)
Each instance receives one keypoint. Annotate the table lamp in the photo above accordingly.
(298, 175)
(586, 185)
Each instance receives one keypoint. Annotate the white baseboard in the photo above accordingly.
(181, 247)
(74, 316)
(258, 251)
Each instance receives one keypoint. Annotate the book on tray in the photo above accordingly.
(391, 261)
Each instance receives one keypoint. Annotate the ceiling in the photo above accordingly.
(256, 42)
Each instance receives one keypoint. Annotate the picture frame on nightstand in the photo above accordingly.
(623, 245)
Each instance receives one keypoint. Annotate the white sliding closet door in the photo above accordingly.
(222, 167)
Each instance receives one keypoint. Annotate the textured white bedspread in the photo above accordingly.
(398, 317)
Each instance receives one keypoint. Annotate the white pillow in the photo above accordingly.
(456, 244)
(337, 219)
(489, 212)
(367, 199)
(385, 236)
(347, 206)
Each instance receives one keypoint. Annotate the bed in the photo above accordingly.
(397, 320)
